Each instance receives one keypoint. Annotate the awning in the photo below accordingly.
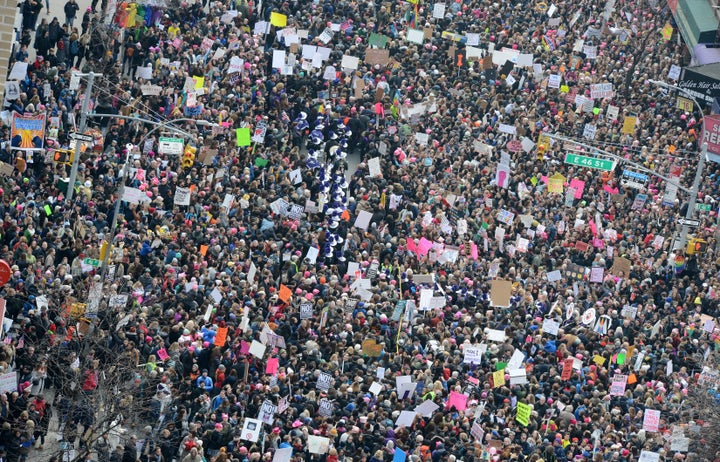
(696, 21)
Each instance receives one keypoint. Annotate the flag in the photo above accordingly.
(548, 43)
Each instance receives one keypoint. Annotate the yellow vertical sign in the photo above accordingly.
(499, 378)
(556, 183)
(629, 125)
(684, 104)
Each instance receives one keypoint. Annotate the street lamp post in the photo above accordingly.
(167, 124)
(124, 171)
(619, 159)
(83, 121)
(700, 167)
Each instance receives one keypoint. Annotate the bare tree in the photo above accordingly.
(703, 412)
(101, 390)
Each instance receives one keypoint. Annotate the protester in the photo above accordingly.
(71, 8)
(331, 235)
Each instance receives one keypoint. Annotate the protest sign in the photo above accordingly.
(651, 420)
(522, 414)
(324, 381)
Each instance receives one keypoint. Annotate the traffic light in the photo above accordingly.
(64, 156)
(540, 153)
(460, 58)
(701, 246)
(189, 156)
(698, 246)
(104, 249)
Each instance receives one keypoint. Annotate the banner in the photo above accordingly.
(8, 382)
(27, 132)
(711, 134)
(601, 90)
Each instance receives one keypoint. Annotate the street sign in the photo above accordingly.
(703, 207)
(684, 104)
(589, 162)
(689, 222)
(635, 175)
(632, 184)
(82, 137)
(91, 262)
(171, 145)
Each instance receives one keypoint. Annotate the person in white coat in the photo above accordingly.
(37, 378)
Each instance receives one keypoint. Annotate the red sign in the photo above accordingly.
(514, 146)
(570, 97)
(711, 134)
(5, 272)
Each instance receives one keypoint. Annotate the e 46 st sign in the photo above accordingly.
(589, 162)
(711, 134)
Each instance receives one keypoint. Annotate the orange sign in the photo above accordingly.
(285, 293)
(221, 336)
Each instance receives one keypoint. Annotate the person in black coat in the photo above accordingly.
(85, 24)
(117, 454)
(31, 11)
(130, 453)
(27, 13)
(71, 8)
(12, 446)
(55, 31)
(42, 44)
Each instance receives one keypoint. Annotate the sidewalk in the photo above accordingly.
(53, 444)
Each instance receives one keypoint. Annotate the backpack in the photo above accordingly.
(74, 47)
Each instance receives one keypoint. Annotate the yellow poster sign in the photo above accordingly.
(556, 183)
(278, 19)
(498, 378)
(629, 125)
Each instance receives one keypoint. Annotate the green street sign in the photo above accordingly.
(91, 262)
(171, 145)
(589, 162)
(703, 207)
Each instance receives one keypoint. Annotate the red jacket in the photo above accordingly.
(91, 380)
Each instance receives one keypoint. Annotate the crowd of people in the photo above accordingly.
(375, 259)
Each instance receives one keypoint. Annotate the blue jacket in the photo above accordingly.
(205, 382)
